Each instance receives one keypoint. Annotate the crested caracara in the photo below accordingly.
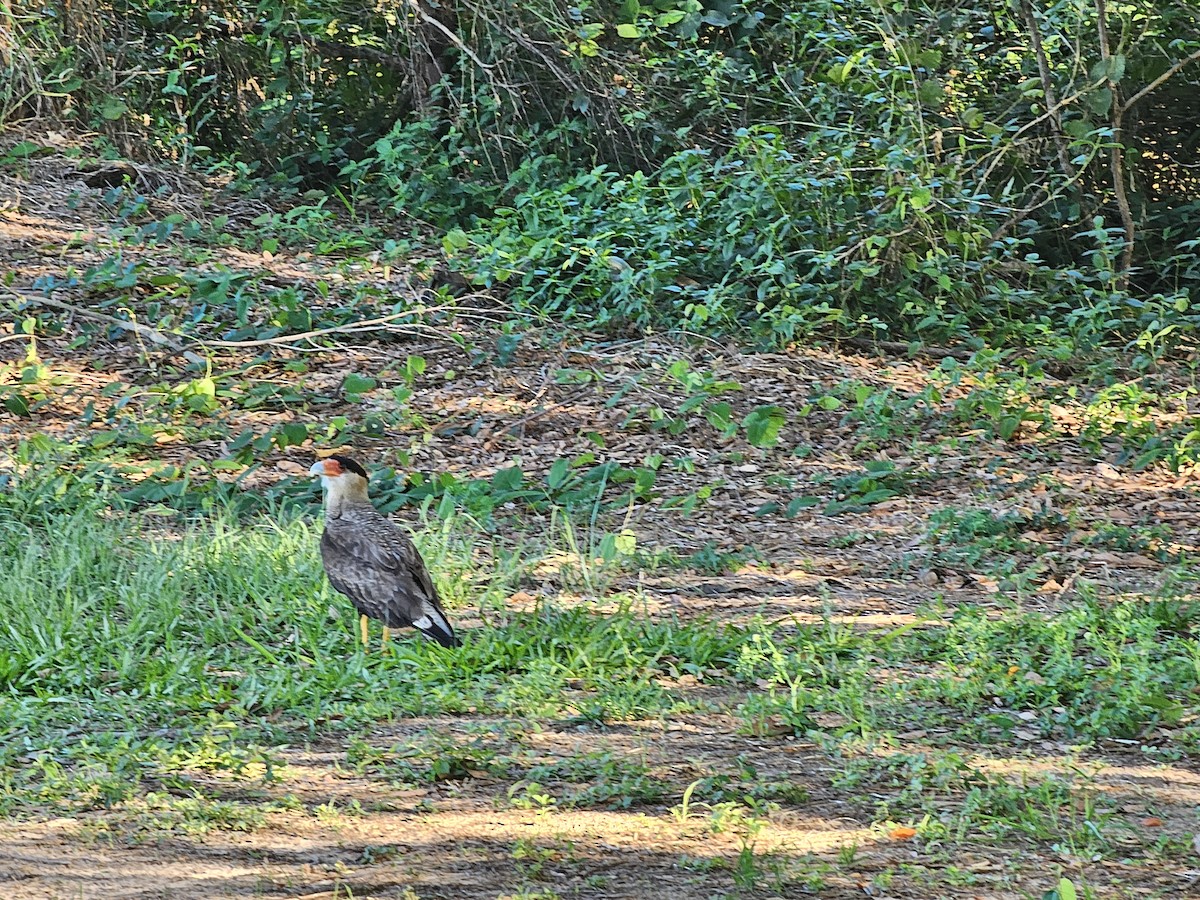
(372, 561)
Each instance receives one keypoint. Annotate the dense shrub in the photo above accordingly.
(931, 170)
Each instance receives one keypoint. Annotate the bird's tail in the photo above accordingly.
(435, 626)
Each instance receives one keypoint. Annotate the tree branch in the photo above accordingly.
(454, 38)
(1157, 82)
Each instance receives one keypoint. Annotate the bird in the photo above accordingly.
(370, 560)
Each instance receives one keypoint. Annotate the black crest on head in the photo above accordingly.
(350, 465)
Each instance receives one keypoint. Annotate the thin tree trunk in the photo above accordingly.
(1052, 105)
(1116, 156)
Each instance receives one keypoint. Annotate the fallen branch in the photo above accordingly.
(379, 324)
(910, 349)
(151, 334)
(180, 346)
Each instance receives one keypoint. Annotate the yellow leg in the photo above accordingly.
(387, 633)
(362, 627)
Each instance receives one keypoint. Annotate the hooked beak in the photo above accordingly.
(318, 468)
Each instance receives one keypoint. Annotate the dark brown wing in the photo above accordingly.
(378, 567)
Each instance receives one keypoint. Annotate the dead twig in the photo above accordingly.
(1157, 82)
(492, 441)
(382, 323)
(451, 36)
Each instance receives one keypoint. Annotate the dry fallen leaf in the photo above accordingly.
(902, 833)
(1153, 822)
(988, 585)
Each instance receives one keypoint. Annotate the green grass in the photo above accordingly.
(148, 662)
(131, 640)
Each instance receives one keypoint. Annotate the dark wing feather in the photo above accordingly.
(379, 568)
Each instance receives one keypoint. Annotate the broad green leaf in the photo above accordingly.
(414, 366)
(16, 404)
(558, 474)
(294, 433)
(1100, 101)
(112, 108)
(799, 503)
(626, 542)
(931, 91)
(628, 30)
(505, 481)
(719, 415)
(21, 150)
(1111, 69)
(455, 239)
(358, 384)
(506, 346)
(763, 425)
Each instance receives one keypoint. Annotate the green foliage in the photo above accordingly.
(880, 481)
(1096, 669)
(913, 786)
(1065, 891)
(838, 167)
(601, 778)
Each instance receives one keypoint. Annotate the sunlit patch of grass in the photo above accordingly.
(223, 631)
(950, 798)
(158, 814)
(600, 778)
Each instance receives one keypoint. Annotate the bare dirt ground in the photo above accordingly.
(872, 569)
